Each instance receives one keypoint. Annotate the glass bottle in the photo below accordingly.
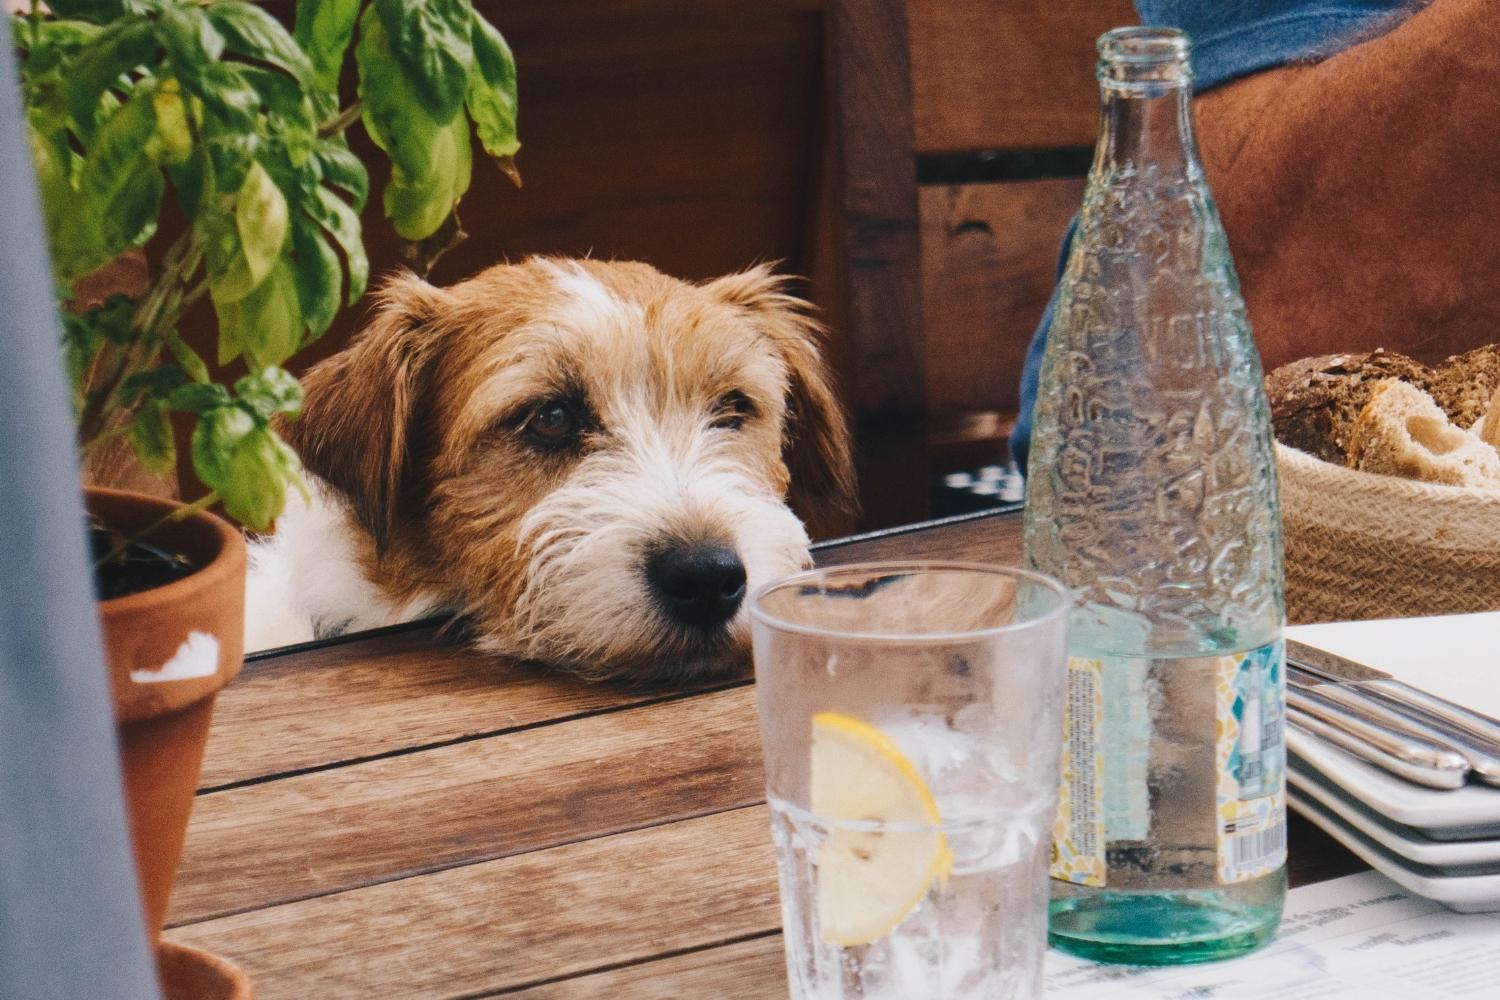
(1153, 495)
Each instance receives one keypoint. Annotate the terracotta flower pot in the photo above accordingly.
(169, 650)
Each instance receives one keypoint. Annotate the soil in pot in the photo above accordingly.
(123, 566)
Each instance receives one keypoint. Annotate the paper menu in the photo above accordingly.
(1360, 936)
(1453, 656)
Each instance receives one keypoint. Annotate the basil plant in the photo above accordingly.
(239, 119)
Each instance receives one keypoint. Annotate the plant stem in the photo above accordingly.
(178, 266)
(179, 514)
(342, 120)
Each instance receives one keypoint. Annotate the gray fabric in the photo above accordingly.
(70, 916)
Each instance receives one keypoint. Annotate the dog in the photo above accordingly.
(590, 463)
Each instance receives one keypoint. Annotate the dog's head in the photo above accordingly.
(592, 460)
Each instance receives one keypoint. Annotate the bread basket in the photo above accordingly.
(1362, 545)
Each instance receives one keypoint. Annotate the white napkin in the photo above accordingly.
(1453, 656)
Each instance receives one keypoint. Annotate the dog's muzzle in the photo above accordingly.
(696, 584)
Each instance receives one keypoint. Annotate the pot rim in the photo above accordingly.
(222, 565)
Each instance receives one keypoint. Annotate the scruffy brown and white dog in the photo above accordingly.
(591, 462)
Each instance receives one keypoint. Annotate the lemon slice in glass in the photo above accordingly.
(870, 876)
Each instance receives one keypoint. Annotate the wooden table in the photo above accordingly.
(395, 816)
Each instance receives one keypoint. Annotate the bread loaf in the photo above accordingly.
(1402, 432)
(1464, 385)
(1315, 401)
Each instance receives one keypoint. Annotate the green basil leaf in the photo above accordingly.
(121, 188)
(151, 437)
(256, 35)
(228, 99)
(281, 97)
(54, 43)
(198, 397)
(266, 325)
(230, 152)
(270, 391)
(247, 463)
(319, 275)
(343, 170)
(188, 358)
(157, 383)
(342, 222)
(192, 43)
(492, 91)
(324, 29)
(430, 40)
(187, 180)
(51, 159)
(83, 338)
(194, 46)
(98, 11)
(417, 204)
(217, 439)
(173, 143)
(119, 48)
(229, 275)
(430, 160)
(260, 217)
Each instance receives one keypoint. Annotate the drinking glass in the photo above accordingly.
(911, 715)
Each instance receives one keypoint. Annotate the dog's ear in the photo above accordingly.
(356, 430)
(816, 447)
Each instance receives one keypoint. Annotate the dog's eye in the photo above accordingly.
(732, 410)
(552, 423)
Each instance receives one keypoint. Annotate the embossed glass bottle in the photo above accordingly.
(1152, 493)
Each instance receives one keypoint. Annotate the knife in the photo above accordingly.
(1414, 759)
(1412, 750)
(1482, 764)
(1480, 729)
(1298, 722)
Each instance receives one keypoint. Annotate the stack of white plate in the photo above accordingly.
(1444, 845)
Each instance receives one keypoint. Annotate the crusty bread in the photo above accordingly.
(1402, 432)
(1488, 427)
(1315, 401)
(1464, 384)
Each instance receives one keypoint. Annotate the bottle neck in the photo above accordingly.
(1145, 85)
(1141, 126)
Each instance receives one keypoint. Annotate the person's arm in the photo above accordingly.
(1360, 192)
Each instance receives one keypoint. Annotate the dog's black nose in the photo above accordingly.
(700, 585)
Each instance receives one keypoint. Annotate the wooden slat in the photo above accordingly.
(379, 695)
(879, 249)
(745, 970)
(475, 801)
(989, 261)
(1007, 74)
(516, 921)
(992, 538)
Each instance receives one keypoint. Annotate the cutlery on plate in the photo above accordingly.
(1480, 729)
(1483, 764)
(1413, 757)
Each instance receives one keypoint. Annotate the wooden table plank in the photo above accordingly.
(338, 829)
(743, 970)
(992, 538)
(514, 922)
(371, 696)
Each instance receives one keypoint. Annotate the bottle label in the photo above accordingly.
(1251, 758)
(1106, 796)
(1078, 831)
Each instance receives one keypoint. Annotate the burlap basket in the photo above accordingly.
(1361, 545)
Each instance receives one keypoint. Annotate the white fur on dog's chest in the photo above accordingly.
(305, 583)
